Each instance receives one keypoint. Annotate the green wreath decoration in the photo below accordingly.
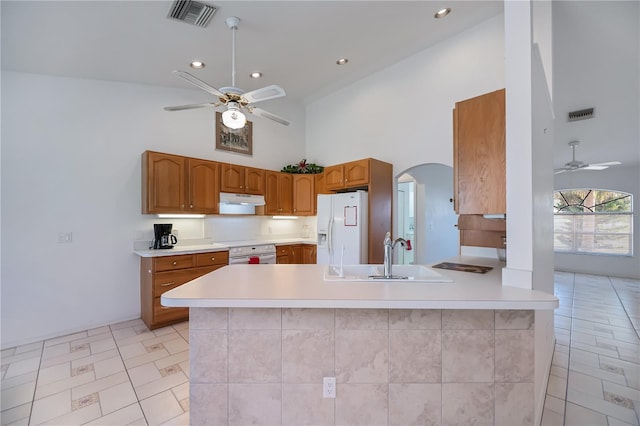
(303, 168)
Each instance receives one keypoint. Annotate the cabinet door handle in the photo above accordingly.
(167, 284)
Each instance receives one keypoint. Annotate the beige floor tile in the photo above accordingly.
(92, 339)
(64, 339)
(66, 357)
(172, 359)
(50, 407)
(77, 417)
(601, 406)
(19, 380)
(54, 373)
(124, 416)
(126, 324)
(160, 408)
(21, 367)
(551, 418)
(107, 367)
(181, 420)
(161, 385)
(103, 345)
(144, 374)
(99, 385)
(56, 350)
(554, 404)
(176, 345)
(146, 358)
(117, 397)
(585, 384)
(17, 395)
(16, 415)
(36, 346)
(63, 385)
(181, 392)
(132, 350)
(91, 359)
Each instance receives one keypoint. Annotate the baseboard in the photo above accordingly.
(540, 398)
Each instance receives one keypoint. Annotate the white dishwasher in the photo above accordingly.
(256, 254)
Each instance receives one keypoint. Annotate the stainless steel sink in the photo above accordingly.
(401, 273)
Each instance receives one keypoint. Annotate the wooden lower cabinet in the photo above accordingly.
(160, 274)
(296, 253)
(309, 252)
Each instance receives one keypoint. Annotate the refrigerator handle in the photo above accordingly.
(330, 240)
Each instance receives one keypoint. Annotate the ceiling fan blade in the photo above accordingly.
(192, 106)
(198, 83)
(609, 163)
(266, 114)
(264, 94)
(558, 171)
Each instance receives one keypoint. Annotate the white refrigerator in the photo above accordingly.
(342, 228)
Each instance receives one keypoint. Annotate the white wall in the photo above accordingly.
(71, 163)
(436, 237)
(620, 178)
(417, 93)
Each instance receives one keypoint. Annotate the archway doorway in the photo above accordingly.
(425, 214)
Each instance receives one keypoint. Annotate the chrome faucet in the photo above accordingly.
(389, 245)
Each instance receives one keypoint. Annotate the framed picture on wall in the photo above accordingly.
(234, 140)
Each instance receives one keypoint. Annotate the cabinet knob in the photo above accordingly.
(213, 258)
(190, 206)
(175, 263)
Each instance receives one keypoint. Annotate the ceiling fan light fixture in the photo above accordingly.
(233, 118)
(342, 61)
(255, 74)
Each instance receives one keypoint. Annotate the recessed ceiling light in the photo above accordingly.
(256, 74)
(342, 61)
(442, 13)
(197, 65)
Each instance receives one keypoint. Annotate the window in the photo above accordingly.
(593, 221)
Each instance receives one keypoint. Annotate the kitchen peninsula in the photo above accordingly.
(263, 337)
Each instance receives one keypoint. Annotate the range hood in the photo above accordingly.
(240, 203)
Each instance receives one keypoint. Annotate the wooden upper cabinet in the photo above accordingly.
(304, 195)
(176, 184)
(231, 178)
(254, 181)
(241, 180)
(479, 152)
(356, 173)
(163, 183)
(320, 182)
(333, 177)
(204, 186)
(278, 193)
(347, 175)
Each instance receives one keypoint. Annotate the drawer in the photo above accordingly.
(169, 263)
(213, 258)
(165, 281)
(163, 314)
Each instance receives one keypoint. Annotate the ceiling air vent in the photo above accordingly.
(192, 12)
(583, 114)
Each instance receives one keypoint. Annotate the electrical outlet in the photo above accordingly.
(329, 387)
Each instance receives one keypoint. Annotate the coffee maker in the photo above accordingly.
(163, 239)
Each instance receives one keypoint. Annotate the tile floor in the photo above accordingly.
(595, 373)
(124, 374)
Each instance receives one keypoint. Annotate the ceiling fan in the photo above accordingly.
(574, 165)
(235, 99)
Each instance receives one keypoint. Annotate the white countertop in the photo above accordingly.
(219, 246)
(303, 286)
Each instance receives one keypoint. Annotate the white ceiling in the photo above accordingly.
(295, 44)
